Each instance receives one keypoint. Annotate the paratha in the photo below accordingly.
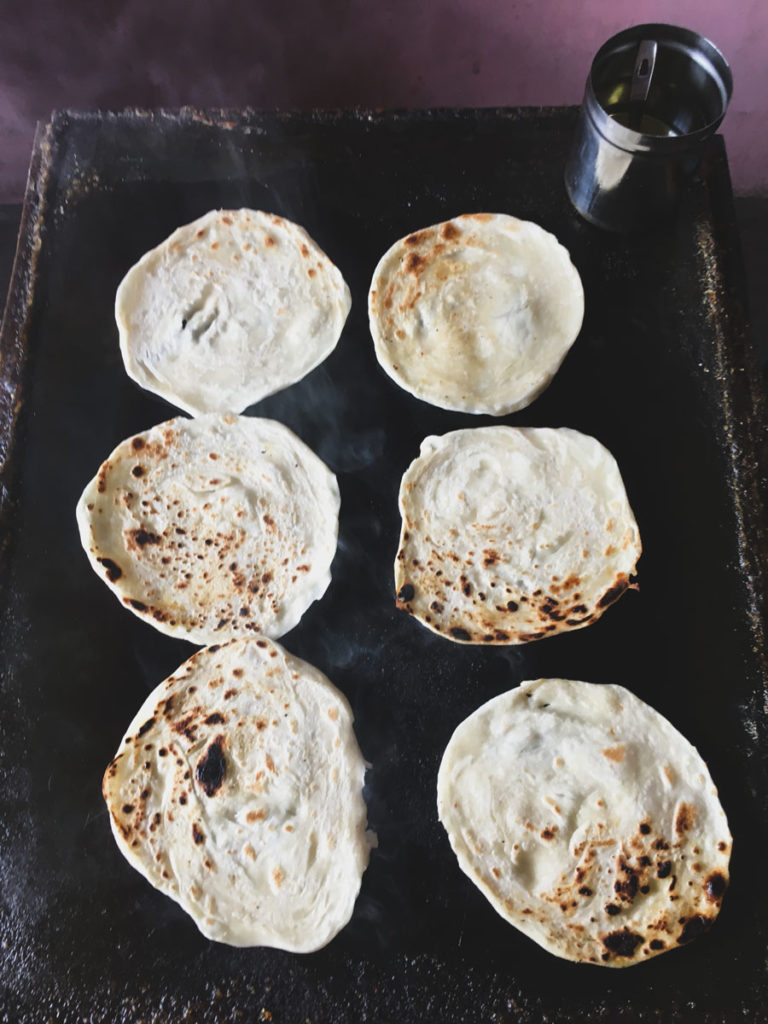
(510, 534)
(229, 309)
(214, 527)
(475, 314)
(237, 791)
(587, 820)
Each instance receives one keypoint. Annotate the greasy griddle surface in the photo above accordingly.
(656, 376)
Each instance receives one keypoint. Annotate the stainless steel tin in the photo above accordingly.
(655, 93)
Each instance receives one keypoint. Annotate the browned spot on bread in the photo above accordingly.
(615, 754)
(416, 238)
(449, 231)
(253, 816)
(413, 263)
(685, 819)
(197, 834)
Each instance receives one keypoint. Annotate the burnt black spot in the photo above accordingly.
(436, 607)
(715, 886)
(183, 323)
(213, 648)
(693, 928)
(137, 444)
(661, 844)
(613, 593)
(197, 835)
(664, 868)
(146, 727)
(137, 471)
(585, 891)
(212, 767)
(611, 909)
(512, 606)
(645, 889)
(656, 944)
(143, 537)
(467, 589)
(406, 593)
(459, 634)
(139, 606)
(645, 828)
(214, 719)
(127, 808)
(114, 572)
(501, 636)
(623, 943)
(626, 888)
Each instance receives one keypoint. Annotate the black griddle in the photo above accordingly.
(662, 374)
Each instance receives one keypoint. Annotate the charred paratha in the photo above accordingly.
(587, 820)
(510, 534)
(213, 528)
(475, 314)
(237, 791)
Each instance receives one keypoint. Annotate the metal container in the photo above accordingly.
(654, 95)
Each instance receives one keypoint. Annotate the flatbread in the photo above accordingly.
(214, 527)
(229, 309)
(237, 791)
(587, 820)
(510, 534)
(475, 314)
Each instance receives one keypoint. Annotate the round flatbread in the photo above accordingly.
(237, 791)
(513, 534)
(475, 314)
(213, 528)
(229, 309)
(587, 820)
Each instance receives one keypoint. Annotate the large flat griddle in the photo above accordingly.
(662, 374)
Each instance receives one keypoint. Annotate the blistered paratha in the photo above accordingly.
(477, 313)
(587, 820)
(229, 309)
(237, 791)
(513, 534)
(214, 527)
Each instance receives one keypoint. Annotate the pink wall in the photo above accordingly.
(299, 53)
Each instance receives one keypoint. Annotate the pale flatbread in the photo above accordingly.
(229, 309)
(214, 527)
(237, 791)
(475, 314)
(513, 534)
(587, 820)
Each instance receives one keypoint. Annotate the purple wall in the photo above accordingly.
(298, 54)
